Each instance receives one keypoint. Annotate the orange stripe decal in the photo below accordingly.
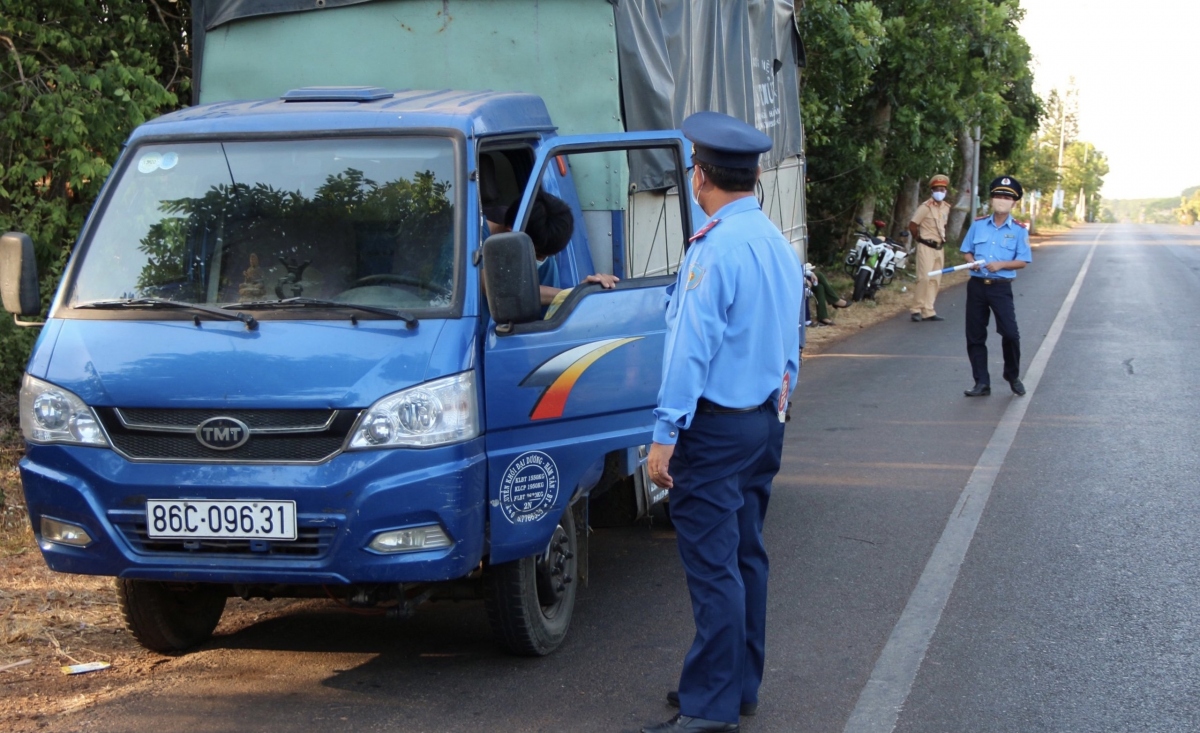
(554, 400)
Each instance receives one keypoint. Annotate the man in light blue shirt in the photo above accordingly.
(729, 367)
(999, 245)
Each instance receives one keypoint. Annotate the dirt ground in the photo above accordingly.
(48, 620)
(889, 302)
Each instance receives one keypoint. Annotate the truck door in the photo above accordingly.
(562, 393)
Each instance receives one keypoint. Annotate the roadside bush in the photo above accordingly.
(76, 76)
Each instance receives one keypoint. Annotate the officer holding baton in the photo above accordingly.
(999, 246)
(730, 364)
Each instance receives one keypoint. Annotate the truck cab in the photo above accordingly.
(288, 358)
(271, 368)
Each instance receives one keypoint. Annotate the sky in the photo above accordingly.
(1135, 66)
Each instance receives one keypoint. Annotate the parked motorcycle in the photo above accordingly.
(899, 261)
(859, 250)
(872, 260)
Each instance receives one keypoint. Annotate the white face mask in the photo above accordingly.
(939, 195)
(1002, 206)
(692, 187)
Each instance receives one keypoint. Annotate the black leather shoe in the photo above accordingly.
(684, 724)
(979, 390)
(748, 708)
(1017, 388)
(916, 318)
(935, 318)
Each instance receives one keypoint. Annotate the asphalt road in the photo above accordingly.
(1075, 608)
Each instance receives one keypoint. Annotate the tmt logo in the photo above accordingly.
(222, 433)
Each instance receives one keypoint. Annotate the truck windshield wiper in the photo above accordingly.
(219, 313)
(408, 318)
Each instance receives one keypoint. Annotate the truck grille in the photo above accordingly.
(256, 419)
(276, 436)
(310, 542)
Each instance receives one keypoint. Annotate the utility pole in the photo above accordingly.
(975, 177)
(1062, 132)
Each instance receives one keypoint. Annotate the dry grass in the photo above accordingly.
(889, 302)
(49, 618)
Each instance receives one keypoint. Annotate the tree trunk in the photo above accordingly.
(866, 212)
(906, 205)
(962, 206)
(881, 121)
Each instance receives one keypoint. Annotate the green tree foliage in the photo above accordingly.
(891, 87)
(76, 76)
(843, 42)
(1054, 157)
(1188, 212)
(1140, 211)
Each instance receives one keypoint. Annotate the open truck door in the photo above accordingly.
(565, 392)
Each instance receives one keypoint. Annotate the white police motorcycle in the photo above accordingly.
(873, 260)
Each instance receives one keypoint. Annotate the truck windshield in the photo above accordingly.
(364, 222)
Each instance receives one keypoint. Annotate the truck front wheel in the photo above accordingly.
(170, 618)
(530, 601)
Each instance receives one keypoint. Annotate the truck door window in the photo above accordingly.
(632, 234)
(503, 173)
(362, 221)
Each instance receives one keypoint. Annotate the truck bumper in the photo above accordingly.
(341, 506)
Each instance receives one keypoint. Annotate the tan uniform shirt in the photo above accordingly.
(930, 219)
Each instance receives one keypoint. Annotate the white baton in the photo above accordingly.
(956, 268)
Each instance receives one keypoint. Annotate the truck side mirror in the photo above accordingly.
(18, 275)
(511, 280)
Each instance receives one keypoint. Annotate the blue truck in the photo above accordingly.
(286, 359)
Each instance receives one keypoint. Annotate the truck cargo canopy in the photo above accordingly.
(675, 57)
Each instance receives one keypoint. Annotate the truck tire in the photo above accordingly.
(530, 601)
(170, 618)
(861, 281)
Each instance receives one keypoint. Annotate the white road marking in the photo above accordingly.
(891, 680)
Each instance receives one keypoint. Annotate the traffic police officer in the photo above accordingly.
(730, 363)
(928, 227)
(999, 245)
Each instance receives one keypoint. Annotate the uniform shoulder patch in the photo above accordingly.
(704, 230)
(981, 218)
(1022, 224)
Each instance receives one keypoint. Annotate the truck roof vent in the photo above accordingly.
(337, 94)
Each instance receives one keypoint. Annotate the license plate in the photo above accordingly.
(200, 519)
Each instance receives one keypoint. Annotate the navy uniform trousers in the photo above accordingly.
(996, 298)
(722, 466)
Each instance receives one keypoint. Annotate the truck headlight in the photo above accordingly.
(51, 414)
(434, 413)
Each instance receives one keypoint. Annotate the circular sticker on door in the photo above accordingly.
(529, 487)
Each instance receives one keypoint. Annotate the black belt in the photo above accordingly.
(708, 406)
(992, 280)
(930, 243)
